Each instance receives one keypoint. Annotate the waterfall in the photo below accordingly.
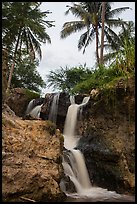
(70, 141)
(74, 163)
(70, 138)
(54, 108)
(33, 110)
(72, 99)
(30, 106)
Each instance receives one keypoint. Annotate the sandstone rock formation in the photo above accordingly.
(19, 98)
(31, 160)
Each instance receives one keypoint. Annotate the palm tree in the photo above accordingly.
(23, 26)
(125, 37)
(89, 14)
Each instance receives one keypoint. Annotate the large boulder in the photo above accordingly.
(31, 160)
(19, 98)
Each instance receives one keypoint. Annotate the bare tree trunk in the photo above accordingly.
(4, 72)
(102, 34)
(12, 66)
(97, 54)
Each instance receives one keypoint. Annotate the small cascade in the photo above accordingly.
(70, 138)
(30, 106)
(35, 112)
(75, 167)
(54, 108)
(34, 108)
(69, 128)
(72, 99)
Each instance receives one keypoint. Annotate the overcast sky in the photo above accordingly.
(64, 52)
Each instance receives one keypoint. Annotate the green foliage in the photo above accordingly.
(23, 26)
(83, 80)
(25, 75)
(89, 16)
(24, 21)
(98, 79)
(122, 66)
(125, 58)
(31, 94)
(123, 46)
(65, 79)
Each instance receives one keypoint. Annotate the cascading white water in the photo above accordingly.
(69, 128)
(75, 167)
(70, 142)
(30, 106)
(35, 112)
(72, 99)
(54, 108)
(32, 110)
(71, 139)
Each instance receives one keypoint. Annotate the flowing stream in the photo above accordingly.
(75, 167)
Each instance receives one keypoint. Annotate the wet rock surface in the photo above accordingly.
(108, 139)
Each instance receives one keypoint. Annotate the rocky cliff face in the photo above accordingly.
(108, 138)
(107, 129)
(19, 98)
(31, 160)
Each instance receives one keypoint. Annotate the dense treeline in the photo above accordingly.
(22, 36)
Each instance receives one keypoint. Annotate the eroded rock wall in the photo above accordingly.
(108, 138)
(31, 160)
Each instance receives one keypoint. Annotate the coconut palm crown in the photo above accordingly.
(89, 15)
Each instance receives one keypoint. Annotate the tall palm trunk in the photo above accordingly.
(4, 72)
(102, 34)
(13, 64)
(97, 54)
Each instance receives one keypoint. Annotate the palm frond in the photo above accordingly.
(85, 39)
(82, 40)
(71, 27)
(34, 44)
(115, 22)
(77, 11)
(112, 38)
(109, 56)
(48, 23)
(25, 39)
(107, 46)
(116, 11)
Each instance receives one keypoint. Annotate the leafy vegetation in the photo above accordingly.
(67, 78)
(27, 31)
(23, 25)
(26, 75)
(31, 94)
(89, 16)
(103, 76)
(122, 45)
(83, 80)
